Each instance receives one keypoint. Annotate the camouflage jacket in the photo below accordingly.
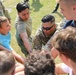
(40, 39)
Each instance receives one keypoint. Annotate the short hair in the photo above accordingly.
(2, 19)
(48, 18)
(7, 61)
(39, 64)
(68, 2)
(22, 6)
(65, 42)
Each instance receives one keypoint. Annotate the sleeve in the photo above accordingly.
(6, 45)
(21, 28)
(5, 41)
(68, 23)
(37, 44)
(48, 45)
(9, 47)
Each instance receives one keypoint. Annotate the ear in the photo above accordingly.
(74, 7)
(66, 58)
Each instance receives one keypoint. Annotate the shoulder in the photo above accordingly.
(19, 20)
(68, 23)
(39, 32)
(19, 23)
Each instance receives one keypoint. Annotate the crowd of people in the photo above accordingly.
(41, 50)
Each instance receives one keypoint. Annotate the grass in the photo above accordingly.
(38, 8)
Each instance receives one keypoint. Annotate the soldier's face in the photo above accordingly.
(24, 15)
(48, 28)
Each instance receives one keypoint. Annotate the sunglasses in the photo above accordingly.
(47, 28)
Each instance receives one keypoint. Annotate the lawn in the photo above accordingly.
(38, 8)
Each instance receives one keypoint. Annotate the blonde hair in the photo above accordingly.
(2, 19)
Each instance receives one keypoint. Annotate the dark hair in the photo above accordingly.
(65, 42)
(48, 18)
(22, 6)
(39, 64)
(7, 61)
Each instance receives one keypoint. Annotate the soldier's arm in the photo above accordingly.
(37, 44)
(26, 42)
(48, 45)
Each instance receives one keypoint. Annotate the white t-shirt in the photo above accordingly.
(67, 69)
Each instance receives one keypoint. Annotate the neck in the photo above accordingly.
(53, 32)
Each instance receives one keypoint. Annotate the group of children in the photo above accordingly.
(35, 64)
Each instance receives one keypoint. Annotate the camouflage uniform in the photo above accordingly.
(59, 27)
(3, 11)
(40, 39)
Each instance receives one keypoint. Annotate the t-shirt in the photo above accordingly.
(70, 23)
(67, 69)
(5, 41)
(23, 26)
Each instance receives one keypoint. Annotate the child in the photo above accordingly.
(6, 58)
(39, 64)
(5, 37)
(64, 42)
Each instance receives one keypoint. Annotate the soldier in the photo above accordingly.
(45, 32)
(23, 25)
(3, 11)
